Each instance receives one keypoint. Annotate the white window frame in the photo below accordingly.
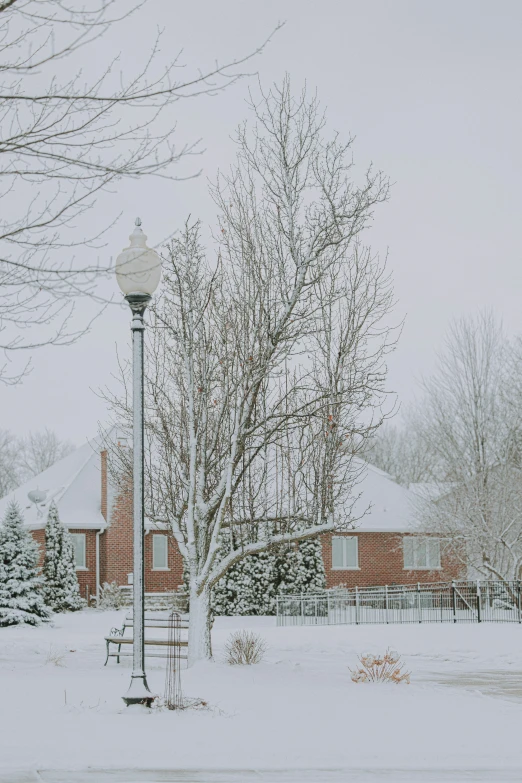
(418, 543)
(166, 553)
(75, 537)
(345, 567)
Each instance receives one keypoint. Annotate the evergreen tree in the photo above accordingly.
(300, 569)
(21, 599)
(250, 586)
(61, 588)
(257, 585)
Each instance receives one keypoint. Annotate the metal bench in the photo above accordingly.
(118, 638)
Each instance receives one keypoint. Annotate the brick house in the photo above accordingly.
(386, 546)
(383, 549)
(99, 518)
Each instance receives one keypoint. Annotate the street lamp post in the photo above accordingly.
(138, 272)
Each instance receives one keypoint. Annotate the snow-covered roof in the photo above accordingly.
(74, 483)
(392, 506)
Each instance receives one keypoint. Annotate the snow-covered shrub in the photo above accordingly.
(250, 586)
(300, 568)
(21, 599)
(244, 648)
(381, 668)
(112, 597)
(61, 588)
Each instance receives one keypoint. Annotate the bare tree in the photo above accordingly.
(39, 451)
(472, 419)
(9, 462)
(402, 450)
(23, 458)
(266, 369)
(67, 137)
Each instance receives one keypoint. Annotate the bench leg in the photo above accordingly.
(119, 648)
(107, 658)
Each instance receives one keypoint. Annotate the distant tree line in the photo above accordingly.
(23, 458)
(463, 438)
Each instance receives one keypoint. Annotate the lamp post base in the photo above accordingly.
(138, 692)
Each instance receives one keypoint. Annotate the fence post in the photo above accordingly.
(454, 602)
(419, 602)
(519, 606)
(356, 606)
(277, 610)
(327, 608)
(386, 599)
(302, 610)
(479, 607)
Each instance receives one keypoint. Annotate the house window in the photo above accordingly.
(421, 553)
(160, 553)
(345, 553)
(78, 540)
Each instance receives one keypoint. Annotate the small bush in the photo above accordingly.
(111, 597)
(55, 656)
(244, 648)
(385, 668)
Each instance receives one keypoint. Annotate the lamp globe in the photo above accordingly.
(138, 267)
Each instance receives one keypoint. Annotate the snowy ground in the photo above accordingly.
(296, 710)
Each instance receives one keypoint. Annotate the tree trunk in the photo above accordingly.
(199, 641)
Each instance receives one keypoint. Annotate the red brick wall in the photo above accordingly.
(380, 558)
(381, 562)
(116, 542)
(116, 546)
(163, 581)
(39, 537)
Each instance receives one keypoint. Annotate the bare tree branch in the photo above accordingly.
(67, 138)
(471, 416)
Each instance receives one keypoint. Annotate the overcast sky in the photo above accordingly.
(432, 92)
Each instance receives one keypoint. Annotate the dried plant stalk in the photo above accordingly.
(385, 668)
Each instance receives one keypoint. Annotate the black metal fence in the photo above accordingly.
(440, 602)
